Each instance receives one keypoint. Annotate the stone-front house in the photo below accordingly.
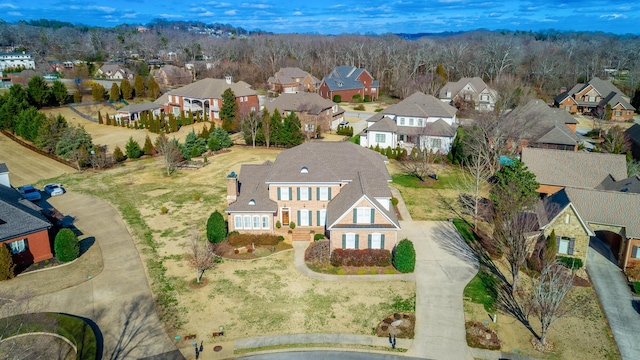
(205, 97)
(292, 80)
(602, 195)
(22, 226)
(334, 188)
(314, 111)
(419, 120)
(544, 127)
(593, 97)
(348, 81)
(470, 90)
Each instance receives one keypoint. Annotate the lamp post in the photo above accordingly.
(93, 163)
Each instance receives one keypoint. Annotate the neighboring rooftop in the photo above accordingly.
(574, 169)
(18, 217)
(311, 103)
(209, 88)
(421, 105)
(345, 78)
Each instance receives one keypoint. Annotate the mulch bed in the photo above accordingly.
(39, 266)
(480, 336)
(400, 325)
(227, 251)
(194, 285)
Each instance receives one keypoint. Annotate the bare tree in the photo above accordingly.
(547, 295)
(169, 151)
(251, 125)
(202, 257)
(420, 163)
(473, 182)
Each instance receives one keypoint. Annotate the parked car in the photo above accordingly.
(30, 193)
(344, 123)
(54, 189)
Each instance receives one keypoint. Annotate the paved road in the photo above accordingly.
(119, 299)
(444, 266)
(324, 355)
(616, 300)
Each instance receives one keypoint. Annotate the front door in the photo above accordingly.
(285, 216)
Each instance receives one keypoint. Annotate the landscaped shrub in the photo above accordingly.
(570, 262)
(239, 240)
(337, 98)
(216, 227)
(278, 224)
(317, 237)
(394, 201)
(132, 149)
(344, 130)
(118, 155)
(292, 225)
(367, 98)
(365, 257)
(404, 256)
(636, 287)
(66, 245)
(318, 252)
(163, 210)
(7, 267)
(356, 98)
(359, 107)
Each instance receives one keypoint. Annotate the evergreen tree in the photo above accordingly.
(114, 94)
(138, 86)
(153, 89)
(58, 92)
(229, 110)
(108, 119)
(132, 149)
(7, 267)
(173, 123)
(38, 91)
(66, 245)
(216, 227)
(219, 139)
(100, 118)
(276, 128)
(550, 248)
(148, 146)
(292, 130)
(126, 89)
(193, 146)
(118, 156)
(265, 128)
(204, 134)
(97, 92)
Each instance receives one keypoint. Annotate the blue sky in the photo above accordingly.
(345, 16)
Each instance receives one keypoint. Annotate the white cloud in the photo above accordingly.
(15, 13)
(102, 8)
(230, 12)
(197, 9)
(613, 16)
(207, 13)
(170, 16)
(256, 6)
(217, 4)
(130, 16)
(10, 6)
(297, 13)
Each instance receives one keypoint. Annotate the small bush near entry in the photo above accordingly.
(292, 225)
(216, 227)
(365, 257)
(238, 240)
(317, 237)
(344, 130)
(318, 253)
(394, 201)
(7, 267)
(66, 245)
(636, 287)
(337, 98)
(570, 262)
(404, 256)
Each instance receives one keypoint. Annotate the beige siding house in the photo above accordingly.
(315, 188)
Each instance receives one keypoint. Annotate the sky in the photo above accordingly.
(345, 16)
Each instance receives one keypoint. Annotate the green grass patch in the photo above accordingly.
(464, 228)
(407, 180)
(480, 290)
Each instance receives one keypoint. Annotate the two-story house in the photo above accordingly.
(314, 111)
(205, 97)
(419, 120)
(469, 90)
(114, 72)
(348, 81)
(17, 60)
(593, 97)
(334, 188)
(292, 80)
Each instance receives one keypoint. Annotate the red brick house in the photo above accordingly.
(205, 97)
(593, 97)
(348, 81)
(23, 228)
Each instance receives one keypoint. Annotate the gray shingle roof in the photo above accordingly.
(3, 168)
(543, 124)
(608, 208)
(455, 87)
(551, 206)
(252, 186)
(385, 124)
(292, 72)
(209, 88)
(18, 218)
(351, 194)
(306, 102)
(609, 92)
(421, 105)
(631, 184)
(145, 106)
(575, 169)
(633, 133)
(344, 78)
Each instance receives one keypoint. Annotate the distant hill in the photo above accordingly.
(417, 36)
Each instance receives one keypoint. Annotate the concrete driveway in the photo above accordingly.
(616, 300)
(118, 300)
(444, 266)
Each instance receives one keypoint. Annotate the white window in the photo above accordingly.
(349, 241)
(309, 127)
(246, 99)
(567, 218)
(247, 222)
(592, 98)
(376, 241)
(381, 138)
(373, 90)
(618, 113)
(323, 193)
(303, 193)
(241, 99)
(304, 218)
(256, 222)
(284, 193)
(436, 143)
(363, 215)
(18, 246)
(565, 245)
(568, 107)
(265, 222)
(411, 122)
(237, 222)
(401, 121)
(322, 217)
(419, 122)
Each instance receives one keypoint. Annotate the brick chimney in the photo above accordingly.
(232, 187)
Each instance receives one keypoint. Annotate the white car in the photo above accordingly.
(53, 189)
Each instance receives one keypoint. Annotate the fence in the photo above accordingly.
(87, 117)
(39, 151)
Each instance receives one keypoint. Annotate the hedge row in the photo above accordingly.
(365, 257)
(238, 240)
